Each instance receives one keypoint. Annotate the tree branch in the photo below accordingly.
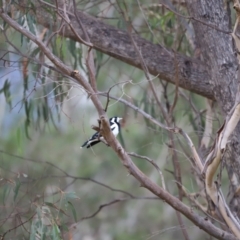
(109, 137)
(114, 42)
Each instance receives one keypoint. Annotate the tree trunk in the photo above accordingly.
(217, 50)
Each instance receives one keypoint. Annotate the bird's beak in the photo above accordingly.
(120, 121)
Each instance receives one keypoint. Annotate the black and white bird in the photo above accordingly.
(96, 137)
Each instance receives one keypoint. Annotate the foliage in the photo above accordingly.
(52, 189)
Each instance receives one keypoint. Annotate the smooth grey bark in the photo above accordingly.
(217, 50)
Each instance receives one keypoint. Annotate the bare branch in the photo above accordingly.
(197, 20)
(174, 130)
(208, 126)
(19, 225)
(193, 74)
(69, 175)
(113, 202)
(153, 163)
(212, 163)
(176, 88)
(109, 137)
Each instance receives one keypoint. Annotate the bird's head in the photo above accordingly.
(115, 120)
(118, 119)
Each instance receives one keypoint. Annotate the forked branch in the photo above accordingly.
(112, 141)
(211, 165)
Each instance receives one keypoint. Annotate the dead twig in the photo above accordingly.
(153, 163)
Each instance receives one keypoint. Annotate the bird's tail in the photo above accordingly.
(84, 144)
(90, 143)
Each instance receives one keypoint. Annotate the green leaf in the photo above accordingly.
(64, 227)
(25, 82)
(38, 117)
(55, 90)
(121, 139)
(55, 207)
(21, 20)
(31, 21)
(39, 213)
(55, 232)
(33, 232)
(4, 24)
(73, 210)
(7, 93)
(16, 189)
(44, 232)
(35, 52)
(26, 125)
(72, 50)
(80, 52)
(26, 108)
(192, 121)
(6, 191)
(22, 38)
(135, 102)
(33, 8)
(19, 137)
(99, 56)
(50, 204)
(45, 112)
(71, 195)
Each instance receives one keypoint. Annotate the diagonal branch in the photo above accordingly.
(213, 160)
(113, 202)
(116, 43)
(109, 137)
(153, 163)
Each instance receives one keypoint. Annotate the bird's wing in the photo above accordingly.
(95, 136)
(93, 140)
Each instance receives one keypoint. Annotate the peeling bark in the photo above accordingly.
(219, 82)
(218, 51)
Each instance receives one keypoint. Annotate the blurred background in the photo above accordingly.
(47, 181)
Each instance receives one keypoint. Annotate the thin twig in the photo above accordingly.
(197, 20)
(153, 163)
(113, 202)
(11, 229)
(125, 159)
(69, 175)
(176, 86)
